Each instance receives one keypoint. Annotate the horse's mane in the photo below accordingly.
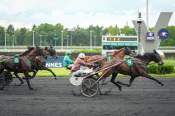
(27, 51)
(39, 50)
(116, 52)
(145, 56)
(52, 51)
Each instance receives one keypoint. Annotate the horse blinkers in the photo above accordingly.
(158, 58)
(127, 51)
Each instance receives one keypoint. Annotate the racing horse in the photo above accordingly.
(38, 63)
(155, 56)
(117, 56)
(139, 69)
(25, 65)
(99, 60)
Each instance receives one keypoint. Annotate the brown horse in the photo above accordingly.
(117, 56)
(27, 59)
(40, 65)
(101, 60)
(138, 70)
(142, 61)
(37, 64)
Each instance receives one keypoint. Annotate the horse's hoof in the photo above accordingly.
(31, 88)
(120, 88)
(162, 84)
(55, 78)
(18, 84)
(107, 92)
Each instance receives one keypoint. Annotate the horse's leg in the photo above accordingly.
(34, 74)
(119, 82)
(27, 77)
(45, 68)
(21, 81)
(152, 78)
(131, 80)
(113, 81)
(1, 68)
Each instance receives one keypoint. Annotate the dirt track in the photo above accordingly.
(54, 98)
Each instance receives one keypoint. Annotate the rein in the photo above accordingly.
(97, 60)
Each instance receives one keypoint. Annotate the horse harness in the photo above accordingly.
(130, 62)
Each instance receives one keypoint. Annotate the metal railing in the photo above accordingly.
(165, 49)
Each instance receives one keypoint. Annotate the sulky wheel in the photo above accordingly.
(89, 87)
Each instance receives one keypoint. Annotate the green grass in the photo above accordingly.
(62, 72)
(170, 61)
(88, 51)
(171, 75)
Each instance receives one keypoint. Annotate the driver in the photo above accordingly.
(67, 61)
(80, 65)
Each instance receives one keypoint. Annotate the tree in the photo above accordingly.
(11, 32)
(21, 36)
(128, 30)
(2, 34)
(113, 30)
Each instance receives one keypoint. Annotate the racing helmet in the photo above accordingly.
(81, 55)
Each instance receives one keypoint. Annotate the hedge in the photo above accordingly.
(161, 69)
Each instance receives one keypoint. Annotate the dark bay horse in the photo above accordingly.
(139, 69)
(27, 59)
(155, 56)
(140, 63)
(37, 64)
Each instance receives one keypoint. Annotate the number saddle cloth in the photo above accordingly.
(129, 60)
(16, 59)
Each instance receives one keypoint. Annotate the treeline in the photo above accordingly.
(48, 34)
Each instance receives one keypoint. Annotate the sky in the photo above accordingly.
(70, 13)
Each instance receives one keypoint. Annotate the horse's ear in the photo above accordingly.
(46, 48)
(30, 48)
(154, 51)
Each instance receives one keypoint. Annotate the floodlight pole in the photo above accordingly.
(90, 39)
(5, 41)
(147, 13)
(62, 39)
(71, 39)
(33, 38)
(139, 22)
(40, 40)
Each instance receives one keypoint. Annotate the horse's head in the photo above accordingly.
(121, 53)
(33, 52)
(40, 61)
(39, 52)
(127, 51)
(49, 51)
(158, 57)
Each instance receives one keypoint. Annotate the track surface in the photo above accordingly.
(54, 98)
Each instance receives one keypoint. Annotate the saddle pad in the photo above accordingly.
(16, 60)
(129, 61)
